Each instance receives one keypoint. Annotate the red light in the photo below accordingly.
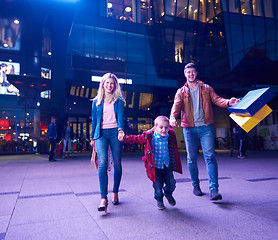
(4, 124)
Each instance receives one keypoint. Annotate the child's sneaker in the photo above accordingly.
(171, 200)
(160, 205)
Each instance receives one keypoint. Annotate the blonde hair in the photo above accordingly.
(117, 92)
(161, 118)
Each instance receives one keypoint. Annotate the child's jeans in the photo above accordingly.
(163, 176)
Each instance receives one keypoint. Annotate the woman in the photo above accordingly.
(67, 136)
(107, 128)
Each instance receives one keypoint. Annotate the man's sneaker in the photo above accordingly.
(197, 191)
(160, 205)
(214, 195)
(171, 200)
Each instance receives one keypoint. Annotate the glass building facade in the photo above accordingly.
(146, 43)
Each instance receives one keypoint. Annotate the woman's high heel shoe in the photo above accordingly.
(115, 202)
(103, 208)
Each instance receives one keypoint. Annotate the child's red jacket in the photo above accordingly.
(146, 139)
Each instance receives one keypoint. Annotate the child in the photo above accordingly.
(161, 158)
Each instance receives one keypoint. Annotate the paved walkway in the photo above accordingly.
(58, 200)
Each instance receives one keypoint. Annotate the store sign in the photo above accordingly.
(121, 80)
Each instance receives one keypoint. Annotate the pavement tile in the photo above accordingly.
(40, 209)
(82, 228)
(43, 186)
(4, 222)
(7, 203)
(84, 184)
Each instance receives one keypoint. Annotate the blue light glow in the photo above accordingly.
(74, 1)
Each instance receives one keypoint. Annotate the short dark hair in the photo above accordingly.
(190, 65)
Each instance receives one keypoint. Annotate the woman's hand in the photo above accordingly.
(121, 136)
(92, 143)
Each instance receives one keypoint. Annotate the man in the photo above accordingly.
(52, 135)
(193, 101)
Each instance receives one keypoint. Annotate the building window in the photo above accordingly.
(144, 124)
(257, 7)
(105, 44)
(145, 13)
(179, 53)
(93, 93)
(170, 7)
(87, 93)
(121, 9)
(193, 10)
(246, 7)
(10, 33)
(234, 6)
(182, 8)
(145, 101)
(72, 91)
(268, 8)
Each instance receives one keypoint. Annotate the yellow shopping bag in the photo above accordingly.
(247, 123)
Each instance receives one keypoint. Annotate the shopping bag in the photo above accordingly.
(252, 102)
(94, 159)
(247, 123)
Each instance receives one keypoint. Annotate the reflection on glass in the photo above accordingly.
(182, 8)
(46, 41)
(234, 6)
(9, 34)
(8, 68)
(170, 7)
(246, 7)
(202, 11)
(144, 124)
(179, 51)
(46, 73)
(145, 101)
(268, 9)
(46, 94)
(121, 9)
(257, 7)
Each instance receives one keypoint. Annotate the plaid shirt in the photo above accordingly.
(160, 150)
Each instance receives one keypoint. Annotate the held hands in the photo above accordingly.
(92, 143)
(173, 122)
(233, 101)
(121, 136)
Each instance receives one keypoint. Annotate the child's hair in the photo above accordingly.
(161, 118)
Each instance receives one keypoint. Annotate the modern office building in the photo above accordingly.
(59, 50)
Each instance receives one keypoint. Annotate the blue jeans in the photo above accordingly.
(192, 136)
(109, 137)
(163, 176)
